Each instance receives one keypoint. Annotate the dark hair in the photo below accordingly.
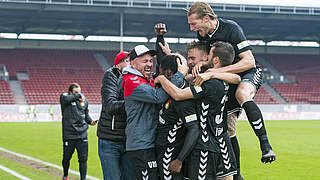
(201, 9)
(224, 51)
(200, 45)
(72, 86)
(169, 62)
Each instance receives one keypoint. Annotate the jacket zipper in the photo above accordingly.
(112, 124)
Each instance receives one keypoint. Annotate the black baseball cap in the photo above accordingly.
(141, 50)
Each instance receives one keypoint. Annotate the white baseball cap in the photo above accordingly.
(141, 50)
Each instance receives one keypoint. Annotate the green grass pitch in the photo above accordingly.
(296, 144)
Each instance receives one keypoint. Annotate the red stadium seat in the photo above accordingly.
(304, 70)
(51, 71)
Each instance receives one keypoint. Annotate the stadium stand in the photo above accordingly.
(6, 96)
(51, 71)
(264, 97)
(304, 70)
(110, 55)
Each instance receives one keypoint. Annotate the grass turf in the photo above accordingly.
(23, 170)
(296, 144)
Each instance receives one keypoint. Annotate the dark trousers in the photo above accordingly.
(166, 154)
(144, 163)
(82, 149)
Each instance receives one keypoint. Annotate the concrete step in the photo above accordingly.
(275, 93)
(17, 91)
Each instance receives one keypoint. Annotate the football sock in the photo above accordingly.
(255, 117)
(236, 150)
(256, 121)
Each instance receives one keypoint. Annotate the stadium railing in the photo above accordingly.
(180, 5)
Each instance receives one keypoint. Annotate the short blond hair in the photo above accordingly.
(201, 46)
(201, 9)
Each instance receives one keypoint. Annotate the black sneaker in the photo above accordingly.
(268, 156)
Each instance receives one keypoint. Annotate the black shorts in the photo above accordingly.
(164, 156)
(203, 164)
(253, 76)
(226, 162)
(145, 163)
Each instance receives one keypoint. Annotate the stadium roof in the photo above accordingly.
(97, 17)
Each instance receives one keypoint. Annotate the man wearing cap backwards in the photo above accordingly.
(142, 106)
(112, 123)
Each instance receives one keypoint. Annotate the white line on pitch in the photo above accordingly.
(14, 173)
(45, 163)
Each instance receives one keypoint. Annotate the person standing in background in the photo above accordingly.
(35, 111)
(51, 112)
(28, 111)
(75, 120)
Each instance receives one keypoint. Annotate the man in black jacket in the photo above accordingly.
(75, 120)
(112, 124)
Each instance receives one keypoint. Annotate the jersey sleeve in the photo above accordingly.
(136, 88)
(207, 90)
(239, 40)
(198, 91)
(187, 111)
(146, 93)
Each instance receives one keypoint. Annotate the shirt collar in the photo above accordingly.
(210, 35)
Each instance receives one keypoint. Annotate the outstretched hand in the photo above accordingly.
(201, 78)
(197, 68)
(158, 79)
(182, 64)
(160, 29)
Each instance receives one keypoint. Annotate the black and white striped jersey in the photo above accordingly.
(230, 32)
(210, 100)
(174, 117)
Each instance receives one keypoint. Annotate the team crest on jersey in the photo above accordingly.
(167, 105)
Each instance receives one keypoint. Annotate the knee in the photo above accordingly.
(244, 93)
(83, 158)
(82, 161)
(66, 157)
(241, 95)
(231, 131)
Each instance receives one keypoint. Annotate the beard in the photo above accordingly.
(190, 68)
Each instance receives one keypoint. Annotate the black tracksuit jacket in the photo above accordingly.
(75, 117)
